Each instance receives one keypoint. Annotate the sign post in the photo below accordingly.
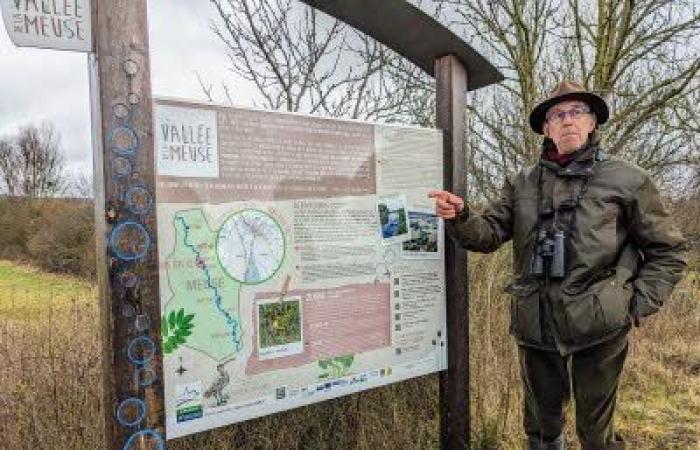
(126, 227)
(451, 87)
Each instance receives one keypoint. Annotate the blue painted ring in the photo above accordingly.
(121, 228)
(147, 354)
(140, 414)
(131, 201)
(121, 166)
(124, 149)
(160, 445)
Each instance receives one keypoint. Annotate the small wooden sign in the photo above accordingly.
(52, 24)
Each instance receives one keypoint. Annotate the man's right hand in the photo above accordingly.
(447, 204)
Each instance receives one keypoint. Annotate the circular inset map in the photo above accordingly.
(250, 246)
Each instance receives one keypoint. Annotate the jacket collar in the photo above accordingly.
(580, 166)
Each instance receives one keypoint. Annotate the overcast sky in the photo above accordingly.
(48, 85)
(37, 85)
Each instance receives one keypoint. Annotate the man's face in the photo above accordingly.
(568, 124)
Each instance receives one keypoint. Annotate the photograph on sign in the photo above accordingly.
(50, 24)
(291, 270)
(393, 219)
(279, 328)
(426, 236)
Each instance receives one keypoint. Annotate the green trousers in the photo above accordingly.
(593, 373)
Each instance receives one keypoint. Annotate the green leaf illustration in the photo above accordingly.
(345, 361)
(175, 329)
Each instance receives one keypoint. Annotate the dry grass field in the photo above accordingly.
(50, 379)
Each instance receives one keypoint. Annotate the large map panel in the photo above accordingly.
(300, 260)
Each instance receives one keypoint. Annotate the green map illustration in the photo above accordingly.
(206, 271)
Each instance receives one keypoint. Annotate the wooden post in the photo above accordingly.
(451, 88)
(126, 227)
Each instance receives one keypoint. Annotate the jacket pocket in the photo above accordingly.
(598, 309)
(615, 300)
(525, 311)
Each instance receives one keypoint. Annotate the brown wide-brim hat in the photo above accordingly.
(567, 90)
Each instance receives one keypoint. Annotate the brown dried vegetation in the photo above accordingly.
(50, 395)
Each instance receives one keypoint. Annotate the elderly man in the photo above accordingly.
(594, 251)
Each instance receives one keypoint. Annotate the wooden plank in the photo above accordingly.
(411, 33)
(126, 227)
(451, 88)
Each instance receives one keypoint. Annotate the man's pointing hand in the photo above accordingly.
(447, 204)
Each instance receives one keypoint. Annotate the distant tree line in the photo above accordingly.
(39, 223)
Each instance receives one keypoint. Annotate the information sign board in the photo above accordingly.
(300, 259)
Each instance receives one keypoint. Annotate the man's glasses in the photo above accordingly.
(558, 117)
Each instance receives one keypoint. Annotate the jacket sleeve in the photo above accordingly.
(662, 246)
(487, 231)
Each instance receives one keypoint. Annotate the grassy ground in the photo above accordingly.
(49, 376)
(50, 379)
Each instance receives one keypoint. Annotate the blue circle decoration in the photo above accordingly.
(131, 403)
(124, 140)
(138, 200)
(131, 231)
(147, 433)
(121, 166)
(149, 349)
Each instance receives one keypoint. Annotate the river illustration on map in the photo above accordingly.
(206, 271)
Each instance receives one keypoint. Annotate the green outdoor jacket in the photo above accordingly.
(622, 248)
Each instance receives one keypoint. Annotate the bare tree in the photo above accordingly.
(642, 56)
(32, 163)
(80, 185)
(303, 61)
(8, 167)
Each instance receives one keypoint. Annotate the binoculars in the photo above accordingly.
(549, 258)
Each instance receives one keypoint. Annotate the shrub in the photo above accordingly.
(54, 234)
(13, 230)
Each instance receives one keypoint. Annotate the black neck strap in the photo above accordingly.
(587, 175)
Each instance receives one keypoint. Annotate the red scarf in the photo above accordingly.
(563, 159)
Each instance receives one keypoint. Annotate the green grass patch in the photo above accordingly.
(25, 291)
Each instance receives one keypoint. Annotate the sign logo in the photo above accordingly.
(186, 142)
(188, 398)
(53, 24)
